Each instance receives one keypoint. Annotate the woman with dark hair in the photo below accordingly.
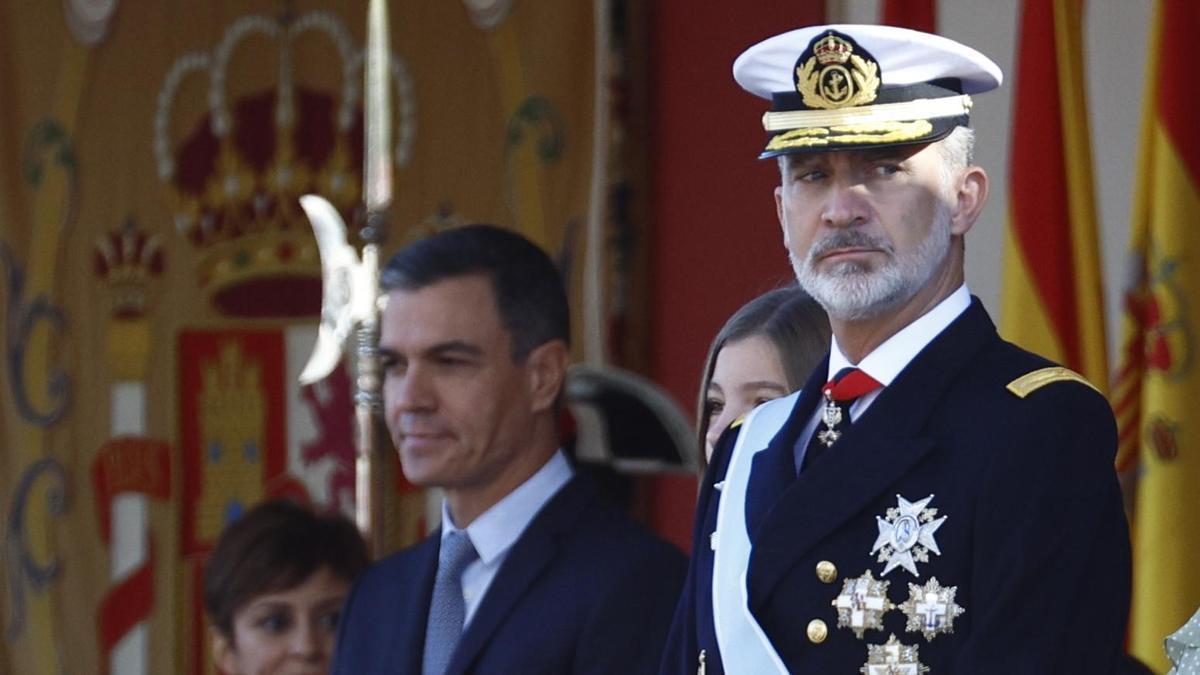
(274, 587)
(764, 351)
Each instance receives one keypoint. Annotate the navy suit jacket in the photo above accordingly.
(583, 590)
(1035, 539)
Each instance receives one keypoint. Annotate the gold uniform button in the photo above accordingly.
(826, 572)
(817, 631)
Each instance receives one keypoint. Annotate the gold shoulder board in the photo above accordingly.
(1030, 382)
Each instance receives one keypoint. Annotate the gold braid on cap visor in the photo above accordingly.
(884, 123)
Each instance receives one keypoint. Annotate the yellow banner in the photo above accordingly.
(1158, 383)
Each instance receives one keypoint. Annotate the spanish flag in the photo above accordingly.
(1157, 386)
(1051, 296)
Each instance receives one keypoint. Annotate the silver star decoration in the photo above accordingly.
(893, 658)
(931, 608)
(906, 535)
(862, 604)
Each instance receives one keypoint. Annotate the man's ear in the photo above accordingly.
(222, 651)
(546, 367)
(970, 199)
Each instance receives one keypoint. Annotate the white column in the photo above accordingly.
(129, 549)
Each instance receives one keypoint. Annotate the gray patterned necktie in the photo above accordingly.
(447, 610)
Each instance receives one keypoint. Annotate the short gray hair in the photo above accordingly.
(958, 149)
(957, 152)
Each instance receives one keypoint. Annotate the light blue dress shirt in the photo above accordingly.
(495, 531)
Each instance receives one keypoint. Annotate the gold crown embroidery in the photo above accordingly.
(835, 77)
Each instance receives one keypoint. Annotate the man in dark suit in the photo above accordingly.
(530, 572)
(935, 499)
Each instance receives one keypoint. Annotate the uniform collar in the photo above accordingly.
(498, 528)
(887, 360)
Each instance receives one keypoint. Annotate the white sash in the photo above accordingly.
(745, 648)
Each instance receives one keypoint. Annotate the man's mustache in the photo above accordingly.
(847, 239)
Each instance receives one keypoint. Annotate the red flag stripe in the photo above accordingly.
(1176, 82)
(915, 14)
(1038, 177)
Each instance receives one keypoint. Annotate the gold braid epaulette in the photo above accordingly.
(1030, 382)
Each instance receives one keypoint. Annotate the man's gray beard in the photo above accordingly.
(850, 292)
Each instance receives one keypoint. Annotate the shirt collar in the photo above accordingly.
(887, 360)
(495, 531)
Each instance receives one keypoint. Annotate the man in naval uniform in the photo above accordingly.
(935, 499)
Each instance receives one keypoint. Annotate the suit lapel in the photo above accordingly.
(533, 551)
(412, 606)
(875, 451)
(774, 469)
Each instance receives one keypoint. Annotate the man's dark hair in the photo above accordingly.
(276, 546)
(530, 296)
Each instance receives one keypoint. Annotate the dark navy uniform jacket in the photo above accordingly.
(1035, 538)
(583, 590)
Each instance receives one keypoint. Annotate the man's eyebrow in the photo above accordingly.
(897, 153)
(794, 162)
(455, 347)
(881, 153)
(449, 347)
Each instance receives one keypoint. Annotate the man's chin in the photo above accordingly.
(845, 300)
(422, 463)
(420, 474)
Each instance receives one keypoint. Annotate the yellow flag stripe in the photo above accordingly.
(1062, 320)
(1089, 295)
(1025, 319)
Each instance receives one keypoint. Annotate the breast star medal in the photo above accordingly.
(931, 608)
(906, 535)
(862, 604)
(893, 658)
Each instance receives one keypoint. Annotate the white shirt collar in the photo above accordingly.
(887, 360)
(495, 531)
